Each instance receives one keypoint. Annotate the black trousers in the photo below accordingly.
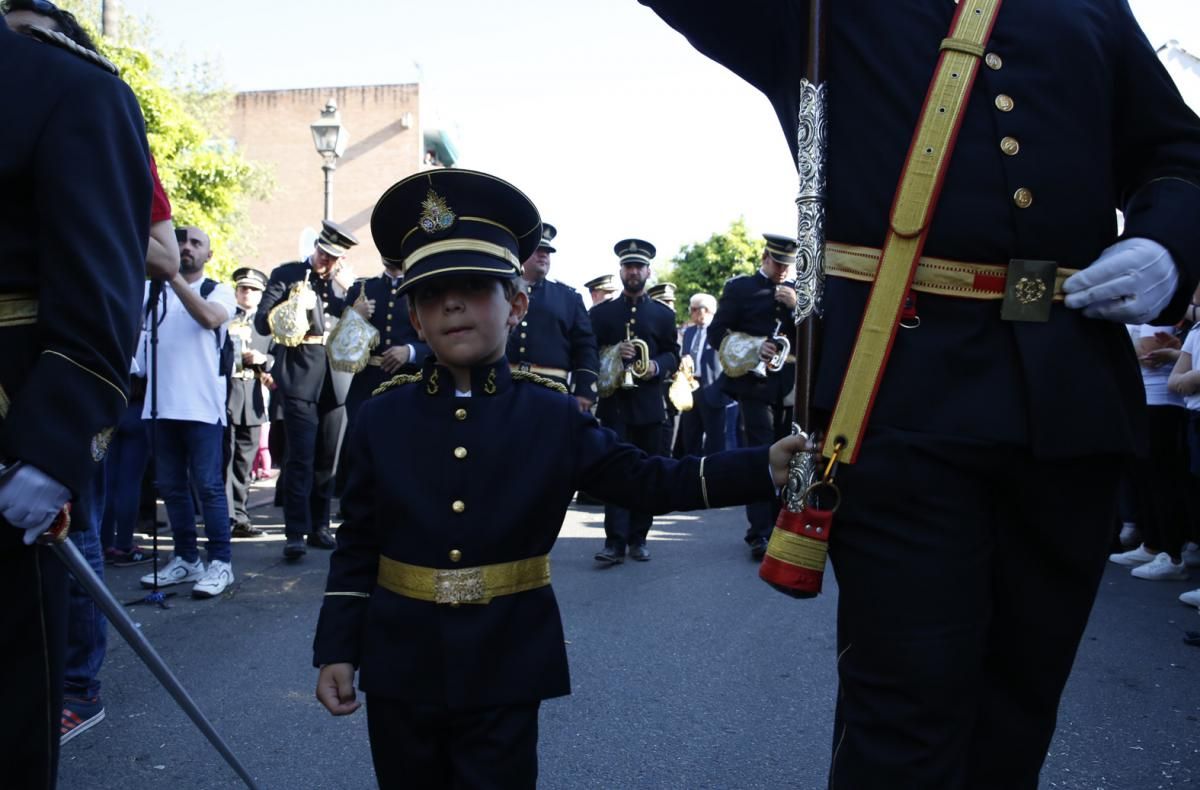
(966, 574)
(314, 436)
(1162, 484)
(431, 748)
(241, 447)
(762, 424)
(624, 527)
(702, 430)
(33, 619)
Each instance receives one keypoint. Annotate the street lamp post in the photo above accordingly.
(329, 136)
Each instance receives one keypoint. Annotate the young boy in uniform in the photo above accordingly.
(458, 479)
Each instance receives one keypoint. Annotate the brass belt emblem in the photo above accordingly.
(459, 585)
(1029, 290)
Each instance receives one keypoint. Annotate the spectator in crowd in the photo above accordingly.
(703, 428)
(1160, 480)
(1185, 382)
(247, 405)
(188, 437)
(75, 220)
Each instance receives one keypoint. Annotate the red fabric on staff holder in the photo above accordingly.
(795, 560)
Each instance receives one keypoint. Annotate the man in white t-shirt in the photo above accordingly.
(187, 396)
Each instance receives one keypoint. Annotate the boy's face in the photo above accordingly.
(466, 320)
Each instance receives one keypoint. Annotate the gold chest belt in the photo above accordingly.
(18, 309)
(456, 586)
(541, 370)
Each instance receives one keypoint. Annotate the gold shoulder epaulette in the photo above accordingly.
(525, 375)
(396, 381)
(59, 40)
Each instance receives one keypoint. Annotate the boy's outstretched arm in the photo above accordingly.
(335, 689)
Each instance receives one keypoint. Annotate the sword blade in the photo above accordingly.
(116, 614)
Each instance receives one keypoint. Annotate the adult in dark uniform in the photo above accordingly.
(636, 414)
(313, 393)
(974, 526)
(555, 338)
(247, 405)
(760, 305)
(400, 350)
(702, 430)
(602, 288)
(74, 225)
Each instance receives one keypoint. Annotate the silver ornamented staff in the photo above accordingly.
(795, 560)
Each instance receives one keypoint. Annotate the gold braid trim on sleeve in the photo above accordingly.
(396, 381)
(525, 375)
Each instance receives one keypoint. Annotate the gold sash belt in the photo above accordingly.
(18, 309)
(933, 275)
(315, 340)
(463, 585)
(541, 370)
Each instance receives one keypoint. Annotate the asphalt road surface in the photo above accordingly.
(688, 672)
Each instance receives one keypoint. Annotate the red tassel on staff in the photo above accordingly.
(795, 559)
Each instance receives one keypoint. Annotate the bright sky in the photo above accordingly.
(603, 115)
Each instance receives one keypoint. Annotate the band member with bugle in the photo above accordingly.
(636, 336)
(298, 310)
(974, 378)
(753, 332)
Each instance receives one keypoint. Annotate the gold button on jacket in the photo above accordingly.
(455, 555)
(1023, 198)
(460, 414)
(460, 453)
(458, 506)
(993, 61)
(1010, 146)
(1004, 103)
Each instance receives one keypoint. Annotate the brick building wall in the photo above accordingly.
(272, 129)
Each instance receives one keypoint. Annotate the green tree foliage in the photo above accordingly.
(705, 266)
(207, 181)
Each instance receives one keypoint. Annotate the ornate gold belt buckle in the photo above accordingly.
(459, 585)
(1028, 290)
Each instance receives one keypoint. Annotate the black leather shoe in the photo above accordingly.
(758, 548)
(610, 556)
(639, 552)
(322, 539)
(294, 549)
(245, 530)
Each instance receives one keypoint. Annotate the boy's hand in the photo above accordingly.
(781, 454)
(335, 689)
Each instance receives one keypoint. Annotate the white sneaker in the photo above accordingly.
(1162, 568)
(1130, 534)
(1133, 557)
(1190, 598)
(177, 571)
(214, 581)
(1191, 555)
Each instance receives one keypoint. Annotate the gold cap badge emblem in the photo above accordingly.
(435, 215)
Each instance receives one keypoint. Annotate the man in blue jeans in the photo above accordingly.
(188, 447)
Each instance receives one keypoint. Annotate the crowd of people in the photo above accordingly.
(174, 371)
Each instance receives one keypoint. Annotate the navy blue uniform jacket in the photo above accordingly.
(300, 371)
(74, 223)
(402, 476)
(1100, 127)
(748, 305)
(653, 322)
(556, 333)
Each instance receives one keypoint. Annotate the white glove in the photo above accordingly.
(30, 499)
(1130, 283)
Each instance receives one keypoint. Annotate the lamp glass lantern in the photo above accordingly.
(329, 135)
